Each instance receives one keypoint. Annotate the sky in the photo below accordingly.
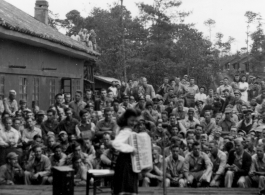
(228, 14)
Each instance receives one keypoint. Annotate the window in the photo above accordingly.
(35, 94)
(88, 71)
(23, 85)
(52, 91)
(66, 85)
(2, 86)
(247, 67)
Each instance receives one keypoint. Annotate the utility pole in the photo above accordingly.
(123, 45)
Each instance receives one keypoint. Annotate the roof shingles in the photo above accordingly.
(14, 19)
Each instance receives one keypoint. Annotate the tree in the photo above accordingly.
(210, 23)
(258, 46)
(251, 16)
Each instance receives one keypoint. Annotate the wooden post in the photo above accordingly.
(164, 166)
(123, 45)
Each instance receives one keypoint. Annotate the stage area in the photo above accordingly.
(47, 190)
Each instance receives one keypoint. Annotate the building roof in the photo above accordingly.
(12, 18)
(106, 79)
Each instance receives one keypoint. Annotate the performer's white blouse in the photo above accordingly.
(121, 142)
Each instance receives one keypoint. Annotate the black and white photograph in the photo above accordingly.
(132, 97)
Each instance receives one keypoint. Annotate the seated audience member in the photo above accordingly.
(150, 114)
(10, 103)
(51, 142)
(174, 122)
(80, 170)
(125, 103)
(77, 105)
(197, 167)
(50, 125)
(190, 122)
(40, 118)
(247, 123)
(154, 177)
(57, 159)
(96, 163)
(217, 137)
(76, 148)
(256, 175)
(180, 111)
(238, 166)
(190, 142)
(174, 168)
(89, 148)
(11, 172)
(85, 129)
(37, 168)
(64, 142)
(69, 123)
(249, 145)
(198, 132)
(118, 110)
(227, 123)
(208, 123)
(9, 136)
(29, 132)
(59, 106)
(106, 125)
(218, 159)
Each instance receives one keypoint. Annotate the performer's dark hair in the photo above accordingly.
(122, 121)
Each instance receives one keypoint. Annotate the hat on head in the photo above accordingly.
(22, 102)
(237, 92)
(155, 100)
(199, 102)
(141, 98)
(125, 97)
(225, 90)
(27, 110)
(242, 131)
(13, 91)
(41, 112)
(11, 155)
(248, 110)
(228, 110)
(149, 103)
(191, 109)
(62, 132)
(51, 134)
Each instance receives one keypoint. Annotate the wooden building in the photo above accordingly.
(104, 82)
(38, 61)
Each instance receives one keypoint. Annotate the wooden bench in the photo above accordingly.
(97, 174)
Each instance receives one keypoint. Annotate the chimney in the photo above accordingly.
(41, 11)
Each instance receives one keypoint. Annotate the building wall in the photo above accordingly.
(32, 81)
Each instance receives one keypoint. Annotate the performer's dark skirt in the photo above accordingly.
(125, 181)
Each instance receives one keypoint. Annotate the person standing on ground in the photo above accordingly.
(125, 181)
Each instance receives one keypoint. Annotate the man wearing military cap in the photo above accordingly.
(227, 123)
(125, 102)
(246, 123)
(11, 172)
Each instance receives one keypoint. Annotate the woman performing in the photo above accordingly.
(125, 181)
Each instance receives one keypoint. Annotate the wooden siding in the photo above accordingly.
(35, 60)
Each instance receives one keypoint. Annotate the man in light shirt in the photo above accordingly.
(8, 135)
(201, 96)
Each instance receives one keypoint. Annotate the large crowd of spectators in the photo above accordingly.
(211, 137)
